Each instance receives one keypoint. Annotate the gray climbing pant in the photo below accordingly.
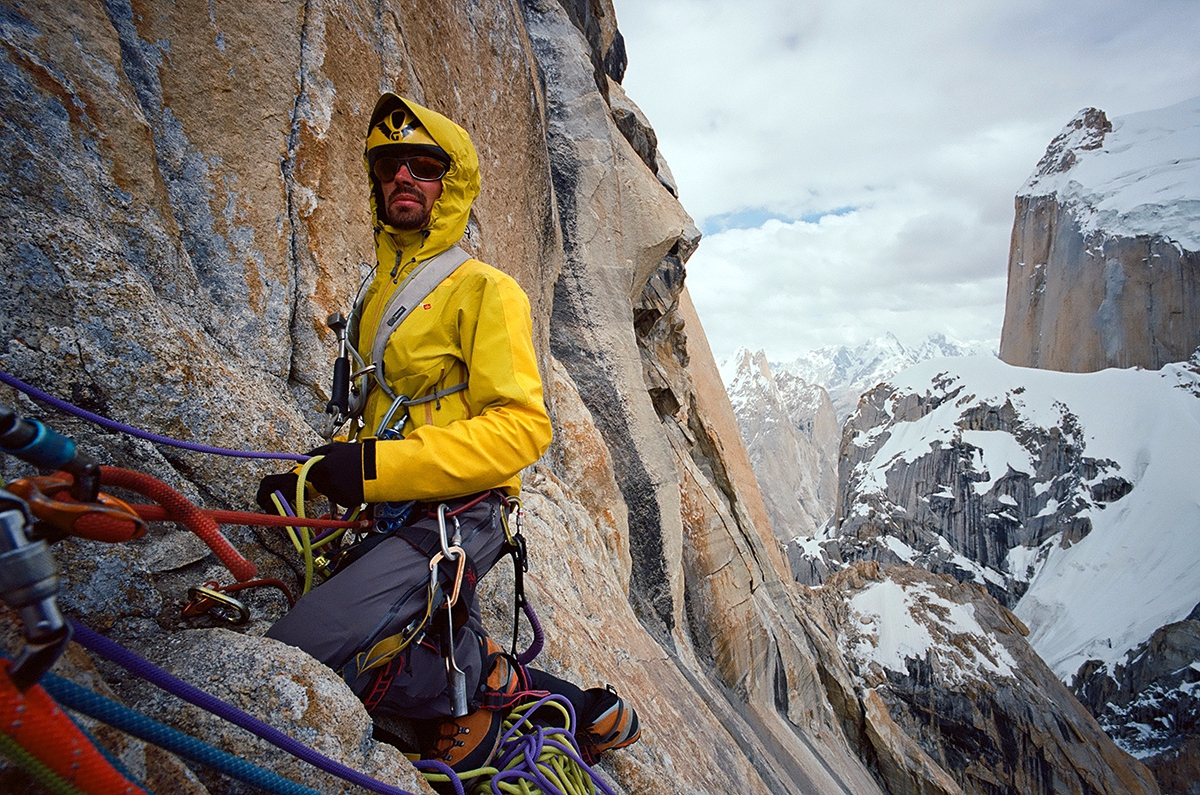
(382, 592)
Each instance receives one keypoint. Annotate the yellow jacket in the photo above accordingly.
(474, 327)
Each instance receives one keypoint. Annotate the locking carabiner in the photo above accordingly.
(107, 519)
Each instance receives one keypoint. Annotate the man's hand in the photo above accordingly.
(285, 482)
(339, 475)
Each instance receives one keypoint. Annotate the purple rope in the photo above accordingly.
(434, 766)
(531, 745)
(113, 425)
(139, 666)
(539, 636)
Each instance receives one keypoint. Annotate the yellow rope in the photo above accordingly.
(291, 531)
(562, 771)
(306, 548)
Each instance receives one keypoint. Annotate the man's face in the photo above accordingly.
(409, 201)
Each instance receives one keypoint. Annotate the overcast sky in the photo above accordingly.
(853, 164)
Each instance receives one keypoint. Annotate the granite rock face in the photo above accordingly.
(187, 204)
(1104, 269)
(791, 432)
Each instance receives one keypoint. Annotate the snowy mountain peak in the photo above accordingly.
(1083, 133)
(1136, 175)
(846, 373)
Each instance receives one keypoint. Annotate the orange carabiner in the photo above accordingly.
(107, 519)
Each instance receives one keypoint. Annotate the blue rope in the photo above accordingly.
(117, 764)
(121, 717)
(138, 666)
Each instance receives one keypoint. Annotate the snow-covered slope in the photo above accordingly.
(1142, 177)
(1092, 594)
(846, 373)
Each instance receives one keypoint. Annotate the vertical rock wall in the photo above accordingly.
(1083, 302)
(187, 202)
(1103, 270)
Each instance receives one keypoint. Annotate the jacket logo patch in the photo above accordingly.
(427, 306)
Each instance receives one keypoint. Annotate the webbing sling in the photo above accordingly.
(415, 289)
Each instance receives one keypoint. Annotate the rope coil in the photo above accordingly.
(537, 754)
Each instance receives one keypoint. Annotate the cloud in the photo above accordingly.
(918, 121)
(791, 287)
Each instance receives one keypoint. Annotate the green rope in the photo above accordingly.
(305, 533)
(33, 766)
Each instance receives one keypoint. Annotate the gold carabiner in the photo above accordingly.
(206, 598)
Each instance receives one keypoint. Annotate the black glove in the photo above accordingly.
(339, 476)
(285, 483)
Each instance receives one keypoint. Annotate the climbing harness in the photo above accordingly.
(377, 654)
(40, 510)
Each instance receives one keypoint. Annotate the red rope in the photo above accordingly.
(182, 511)
(38, 725)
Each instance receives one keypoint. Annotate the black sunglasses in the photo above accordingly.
(423, 168)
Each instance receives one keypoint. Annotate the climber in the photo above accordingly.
(453, 413)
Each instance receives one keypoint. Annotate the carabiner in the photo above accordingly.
(385, 429)
(107, 519)
(205, 598)
(447, 545)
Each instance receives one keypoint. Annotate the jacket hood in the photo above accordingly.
(398, 250)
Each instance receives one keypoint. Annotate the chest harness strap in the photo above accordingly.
(411, 293)
(408, 296)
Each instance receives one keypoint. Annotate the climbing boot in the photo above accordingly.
(608, 722)
(468, 742)
(507, 683)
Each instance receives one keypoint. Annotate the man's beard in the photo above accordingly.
(408, 218)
